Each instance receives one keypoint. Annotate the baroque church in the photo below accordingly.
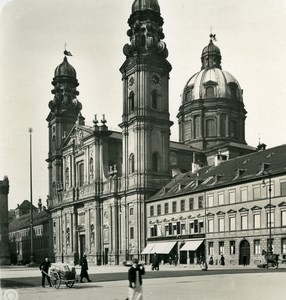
(100, 180)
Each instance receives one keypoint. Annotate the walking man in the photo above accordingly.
(84, 268)
(135, 281)
(44, 267)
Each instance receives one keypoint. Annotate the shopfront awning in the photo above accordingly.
(191, 245)
(148, 249)
(163, 248)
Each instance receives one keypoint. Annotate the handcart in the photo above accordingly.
(62, 273)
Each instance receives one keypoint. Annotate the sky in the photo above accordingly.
(33, 33)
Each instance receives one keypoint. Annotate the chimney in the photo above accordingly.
(40, 205)
(261, 147)
(219, 158)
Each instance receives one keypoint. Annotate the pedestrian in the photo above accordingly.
(135, 281)
(222, 262)
(84, 268)
(155, 262)
(211, 261)
(44, 267)
(244, 260)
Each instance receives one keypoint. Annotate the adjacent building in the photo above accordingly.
(4, 240)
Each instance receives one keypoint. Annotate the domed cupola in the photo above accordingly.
(145, 4)
(65, 69)
(65, 92)
(212, 110)
(211, 57)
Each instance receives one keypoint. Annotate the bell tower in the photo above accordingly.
(145, 120)
(64, 112)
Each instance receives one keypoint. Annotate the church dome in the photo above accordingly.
(139, 5)
(212, 82)
(65, 69)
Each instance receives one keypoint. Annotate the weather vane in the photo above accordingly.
(67, 53)
(213, 37)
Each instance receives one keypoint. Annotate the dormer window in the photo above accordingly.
(210, 92)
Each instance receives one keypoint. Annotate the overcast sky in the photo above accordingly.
(250, 34)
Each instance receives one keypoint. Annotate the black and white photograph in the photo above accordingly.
(143, 149)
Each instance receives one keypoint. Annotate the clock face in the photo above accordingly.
(156, 80)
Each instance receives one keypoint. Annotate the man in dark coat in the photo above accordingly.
(135, 281)
(84, 268)
(155, 262)
(44, 267)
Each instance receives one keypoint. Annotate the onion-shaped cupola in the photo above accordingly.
(146, 31)
(65, 92)
(212, 110)
(140, 5)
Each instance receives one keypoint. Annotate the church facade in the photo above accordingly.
(101, 181)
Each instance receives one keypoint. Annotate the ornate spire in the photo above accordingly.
(65, 92)
(146, 32)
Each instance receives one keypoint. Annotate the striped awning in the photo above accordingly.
(191, 245)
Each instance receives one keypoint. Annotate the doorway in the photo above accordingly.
(244, 252)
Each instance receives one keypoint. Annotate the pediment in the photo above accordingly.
(77, 136)
(256, 208)
(210, 82)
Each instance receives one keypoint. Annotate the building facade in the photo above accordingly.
(4, 228)
(234, 208)
(20, 234)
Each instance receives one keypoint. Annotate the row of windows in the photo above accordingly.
(174, 207)
(192, 128)
(154, 100)
(210, 92)
(244, 222)
(197, 226)
(184, 205)
(155, 162)
(257, 248)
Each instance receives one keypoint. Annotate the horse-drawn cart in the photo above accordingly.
(271, 260)
(62, 273)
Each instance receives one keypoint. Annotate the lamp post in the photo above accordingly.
(268, 174)
(31, 201)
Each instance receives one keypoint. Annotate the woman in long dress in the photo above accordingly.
(135, 281)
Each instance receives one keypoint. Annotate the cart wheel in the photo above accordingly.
(70, 283)
(55, 280)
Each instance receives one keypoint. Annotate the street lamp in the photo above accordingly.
(268, 174)
(31, 202)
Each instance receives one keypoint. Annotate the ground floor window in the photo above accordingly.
(232, 247)
(283, 246)
(211, 248)
(221, 247)
(257, 248)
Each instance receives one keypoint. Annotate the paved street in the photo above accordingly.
(172, 284)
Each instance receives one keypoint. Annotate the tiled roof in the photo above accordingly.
(24, 221)
(230, 172)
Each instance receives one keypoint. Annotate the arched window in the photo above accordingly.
(210, 128)
(155, 162)
(143, 40)
(131, 163)
(233, 129)
(223, 125)
(197, 126)
(188, 130)
(154, 99)
(210, 92)
(131, 101)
